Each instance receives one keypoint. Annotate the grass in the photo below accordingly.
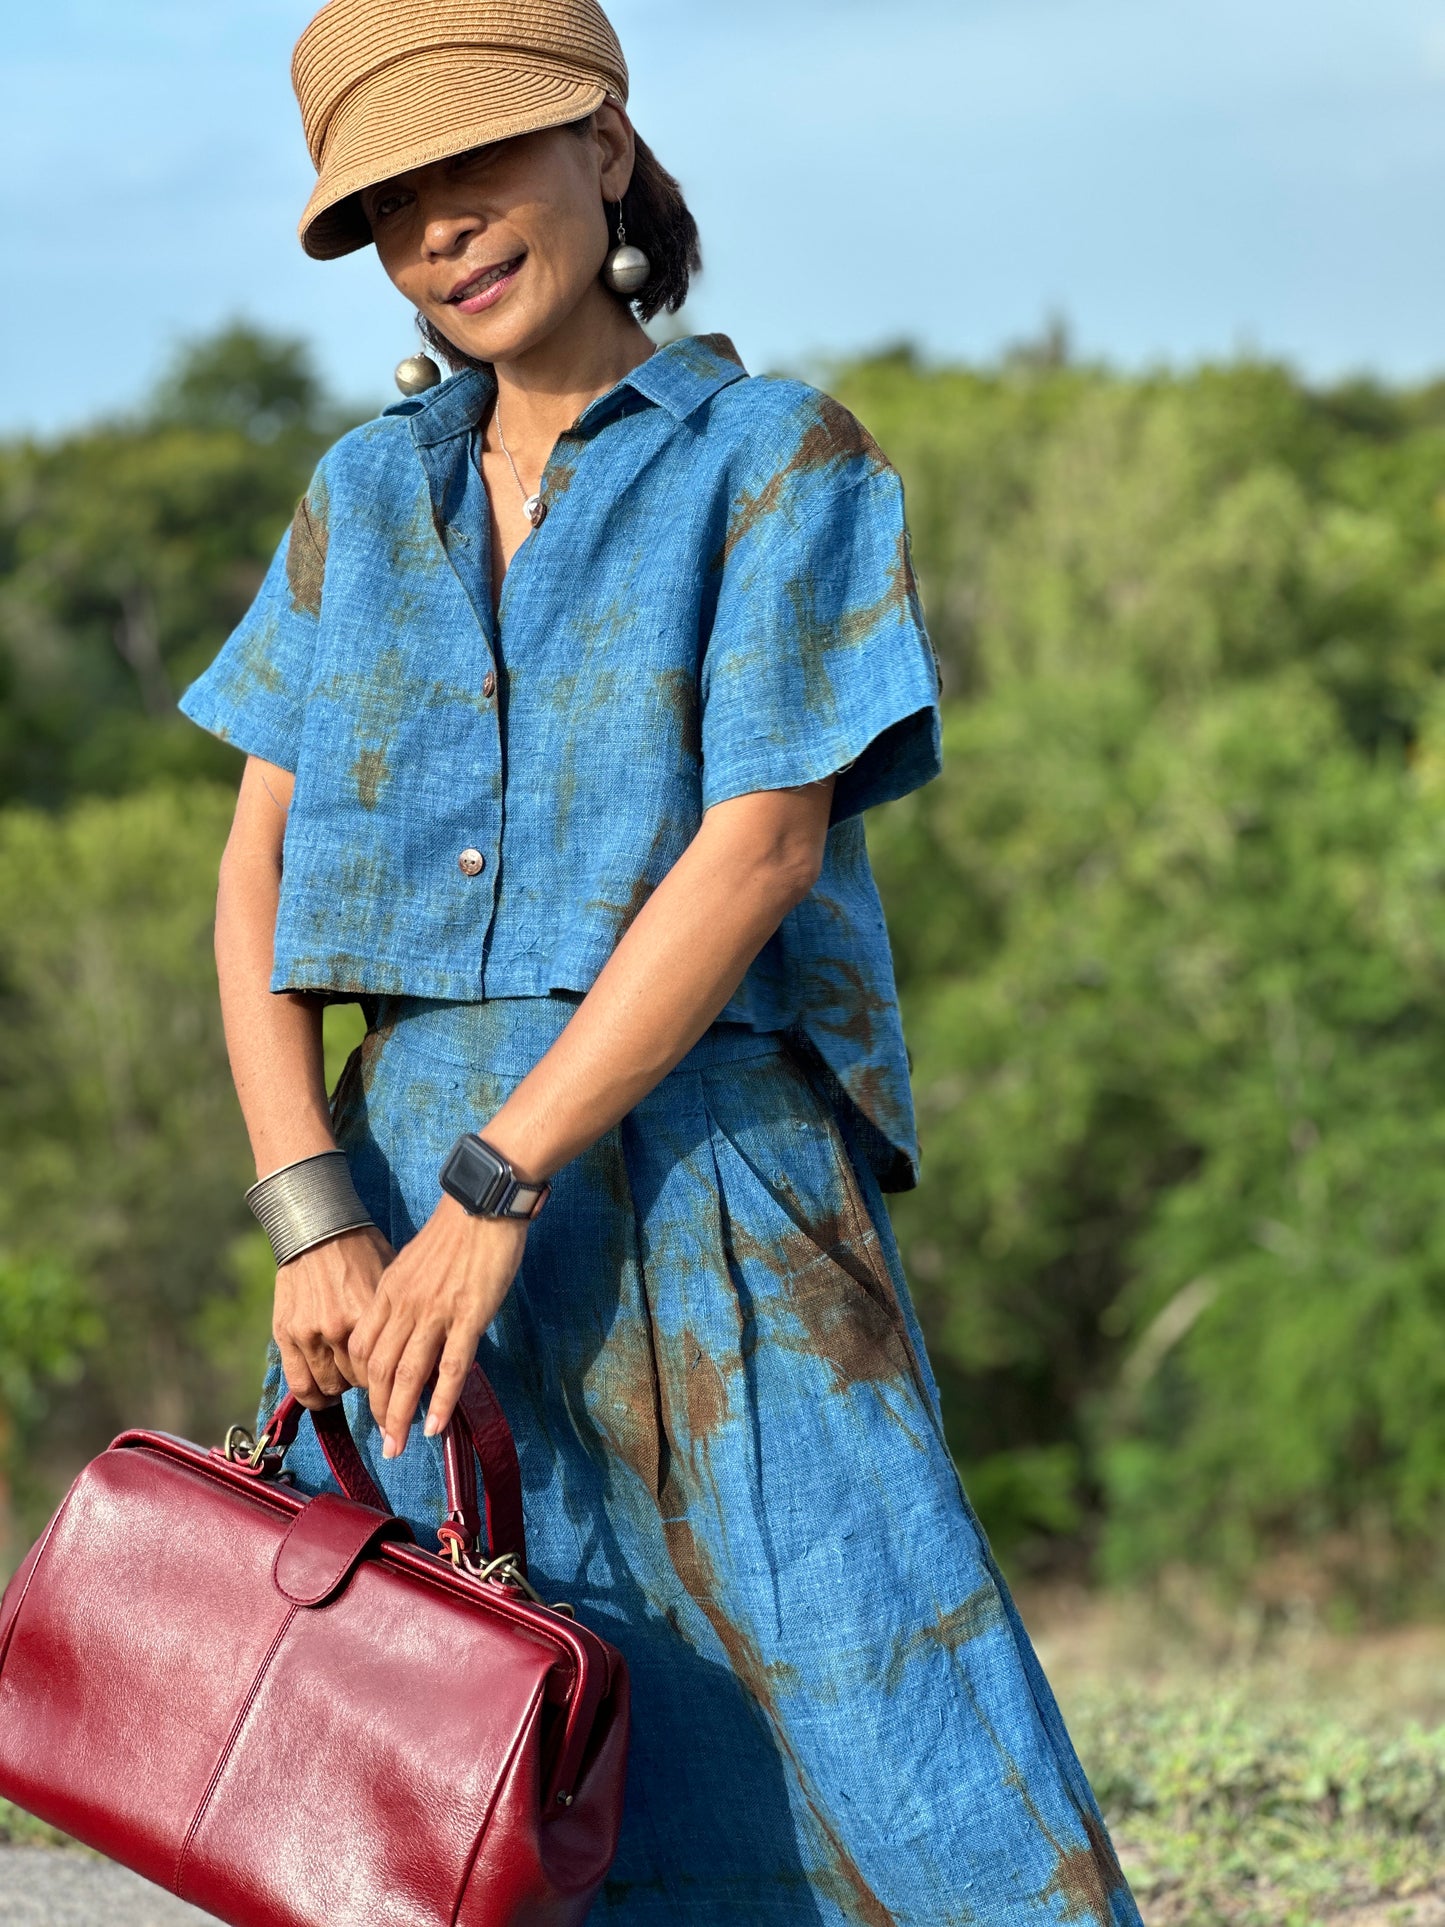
(1290, 1781)
(1229, 1810)
(17, 1829)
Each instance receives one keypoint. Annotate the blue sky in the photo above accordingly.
(1180, 178)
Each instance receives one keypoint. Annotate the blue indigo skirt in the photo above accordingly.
(734, 1467)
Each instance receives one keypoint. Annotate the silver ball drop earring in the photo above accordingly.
(417, 373)
(628, 269)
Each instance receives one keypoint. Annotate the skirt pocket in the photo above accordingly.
(797, 1226)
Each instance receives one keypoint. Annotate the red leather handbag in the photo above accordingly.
(288, 1713)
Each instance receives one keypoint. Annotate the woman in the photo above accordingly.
(563, 699)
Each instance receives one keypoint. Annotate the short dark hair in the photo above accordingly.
(659, 221)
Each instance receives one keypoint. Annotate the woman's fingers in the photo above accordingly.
(331, 1381)
(413, 1372)
(386, 1355)
(300, 1381)
(433, 1302)
(320, 1297)
(367, 1330)
(456, 1361)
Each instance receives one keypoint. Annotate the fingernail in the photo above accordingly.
(432, 1427)
(389, 1448)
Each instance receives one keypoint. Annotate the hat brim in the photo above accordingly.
(427, 108)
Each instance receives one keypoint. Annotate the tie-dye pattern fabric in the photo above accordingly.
(734, 1468)
(719, 601)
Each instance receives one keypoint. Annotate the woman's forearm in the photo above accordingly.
(274, 1041)
(670, 976)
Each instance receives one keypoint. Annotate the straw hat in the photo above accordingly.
(388, 85)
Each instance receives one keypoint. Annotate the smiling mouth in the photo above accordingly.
(489, 278)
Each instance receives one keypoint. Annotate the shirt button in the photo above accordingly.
(489, 684)
(471, 863)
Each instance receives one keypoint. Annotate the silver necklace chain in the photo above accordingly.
(533, 507)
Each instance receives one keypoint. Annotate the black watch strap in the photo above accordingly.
(484, 1183)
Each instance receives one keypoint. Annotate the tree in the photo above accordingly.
(129, 551)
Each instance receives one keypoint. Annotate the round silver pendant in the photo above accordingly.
(535, 510)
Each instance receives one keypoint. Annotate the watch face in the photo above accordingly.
(474, 1175)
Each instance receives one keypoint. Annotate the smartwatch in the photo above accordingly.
(484, 1184)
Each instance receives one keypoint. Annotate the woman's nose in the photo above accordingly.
(447, 233)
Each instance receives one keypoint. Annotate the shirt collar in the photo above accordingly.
(455, 408)
(687, 373)
(679, 377)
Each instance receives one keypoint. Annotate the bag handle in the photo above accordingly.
(477, 1435)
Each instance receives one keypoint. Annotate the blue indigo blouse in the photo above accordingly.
(719, 601)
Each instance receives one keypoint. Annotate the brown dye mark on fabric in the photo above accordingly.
(364, 889)
(306, 551)
(591, 635)
(900, 597)
(818, 634)
(722, 347)
(846, 1328)
(416, 544)
(833, 436)
(873, 1089)
(875, 1092)
(678, 698)
(628, 912)
(862, 1334)
(981, 1612)
(837, 436)
(370, 772)
(863, 1004)
(841, 1879)
(699, 354)
(1085, 1877)
(346, 975)
(609, 1165)
(649, 874)
(561, 473)
(907, 577)
(253, 669)
(379, 700)
(707, 1392)
(839, 983)
(625, 1398)
(858, 1339)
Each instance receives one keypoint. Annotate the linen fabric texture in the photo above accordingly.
(720, 600)
(734, 1467)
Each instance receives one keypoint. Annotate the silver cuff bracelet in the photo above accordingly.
(307, 1203)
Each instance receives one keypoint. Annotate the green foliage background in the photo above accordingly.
(1170, 936)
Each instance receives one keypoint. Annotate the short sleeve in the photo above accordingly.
(818, 662)
(254, 693)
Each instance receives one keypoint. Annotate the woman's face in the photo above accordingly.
(501, 246)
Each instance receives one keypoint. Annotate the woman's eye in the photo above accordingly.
(386, 205)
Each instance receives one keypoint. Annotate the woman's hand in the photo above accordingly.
(431, 1308)
(320, 1299)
